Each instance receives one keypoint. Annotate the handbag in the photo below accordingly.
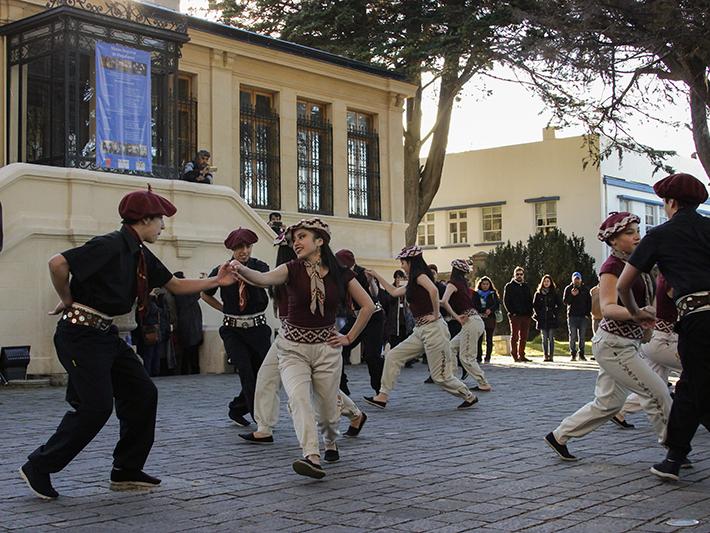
(151, 335)
(499, 316)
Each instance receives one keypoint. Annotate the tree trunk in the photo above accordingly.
(429, 178)
(412, 145)
(699, 117)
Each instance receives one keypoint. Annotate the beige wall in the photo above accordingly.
(553, 167)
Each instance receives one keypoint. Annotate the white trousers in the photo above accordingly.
(661, 354)
(433, 339)
(266, 396)
(621, 370)
(311, 374)
(465, 345)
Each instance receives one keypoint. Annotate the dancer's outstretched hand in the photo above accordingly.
(225, 275)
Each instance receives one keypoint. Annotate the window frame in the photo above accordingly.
(314, 159)
(363, 166)
(492, 211)
(454, 237)
(427, 225)
(545, 216)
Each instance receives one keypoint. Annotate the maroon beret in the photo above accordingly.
(615, 223)
(682, 187)
(140, 204)
(346, 258)
(240, 236)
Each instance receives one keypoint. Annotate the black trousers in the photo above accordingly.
(101, 367)
(246, 348)
(371, 340)
(490, 324)
(691, 402)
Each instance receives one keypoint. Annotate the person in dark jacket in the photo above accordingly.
(198, 170)
(579, 305)
(547, 305)
(518, 301)
(486, 301)
(188, 330)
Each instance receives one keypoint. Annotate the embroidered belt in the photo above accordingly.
(664, 326)
(378, 308)
(306, 335)
(629, 330)
(245, 321)
(692, 303)
(85, 316)
(423, 320)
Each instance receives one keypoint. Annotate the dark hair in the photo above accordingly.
(335, 269)
(398, 274)
(284, 254)
(203, 153)
(433, 267)
(489, 280)
(459, 275)
(274, 214)
(417, 267)
(179, 274)
(552, 283)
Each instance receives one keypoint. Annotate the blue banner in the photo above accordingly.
(123, 134)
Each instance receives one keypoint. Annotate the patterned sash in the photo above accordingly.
(306, 335)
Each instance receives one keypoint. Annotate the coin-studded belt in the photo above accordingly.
(691, 303)
(664, 326)
(306, 335)
(84, 316)
(246, 321)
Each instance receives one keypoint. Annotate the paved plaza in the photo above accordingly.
(420, 465)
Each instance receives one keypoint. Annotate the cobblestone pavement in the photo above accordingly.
(420, 465)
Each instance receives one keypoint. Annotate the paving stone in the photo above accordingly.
(419, 465)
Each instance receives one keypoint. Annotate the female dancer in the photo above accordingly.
(546, 305)
(309, 351)
(430, 333)
(458, 303)
(486, 302)
(616, 347)
(268, 381)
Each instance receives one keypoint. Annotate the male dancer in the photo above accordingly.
(372, 336)
(107, 274)
(681, 248)
(244, 331)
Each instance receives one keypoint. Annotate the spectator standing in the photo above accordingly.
(579, 306)
(198, 170)
(399, 322)
(189, 330)
(546, 305)
(518, 301)
(486, 301)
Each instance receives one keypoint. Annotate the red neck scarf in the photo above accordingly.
(142, 289)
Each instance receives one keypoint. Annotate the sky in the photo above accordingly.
(507, 113)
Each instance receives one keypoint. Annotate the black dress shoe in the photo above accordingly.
(376, 403)
(353, 431)
(331, 456)
(560, 449)
(524, 359)
(667, 469)
(623, 424)
(239, 420)
(305, 467)
(39, 483)
(429, 380)
(686, 463)
(487, 360)
(132, 479)
(467, 404)
(249, 437)
(581, 357)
